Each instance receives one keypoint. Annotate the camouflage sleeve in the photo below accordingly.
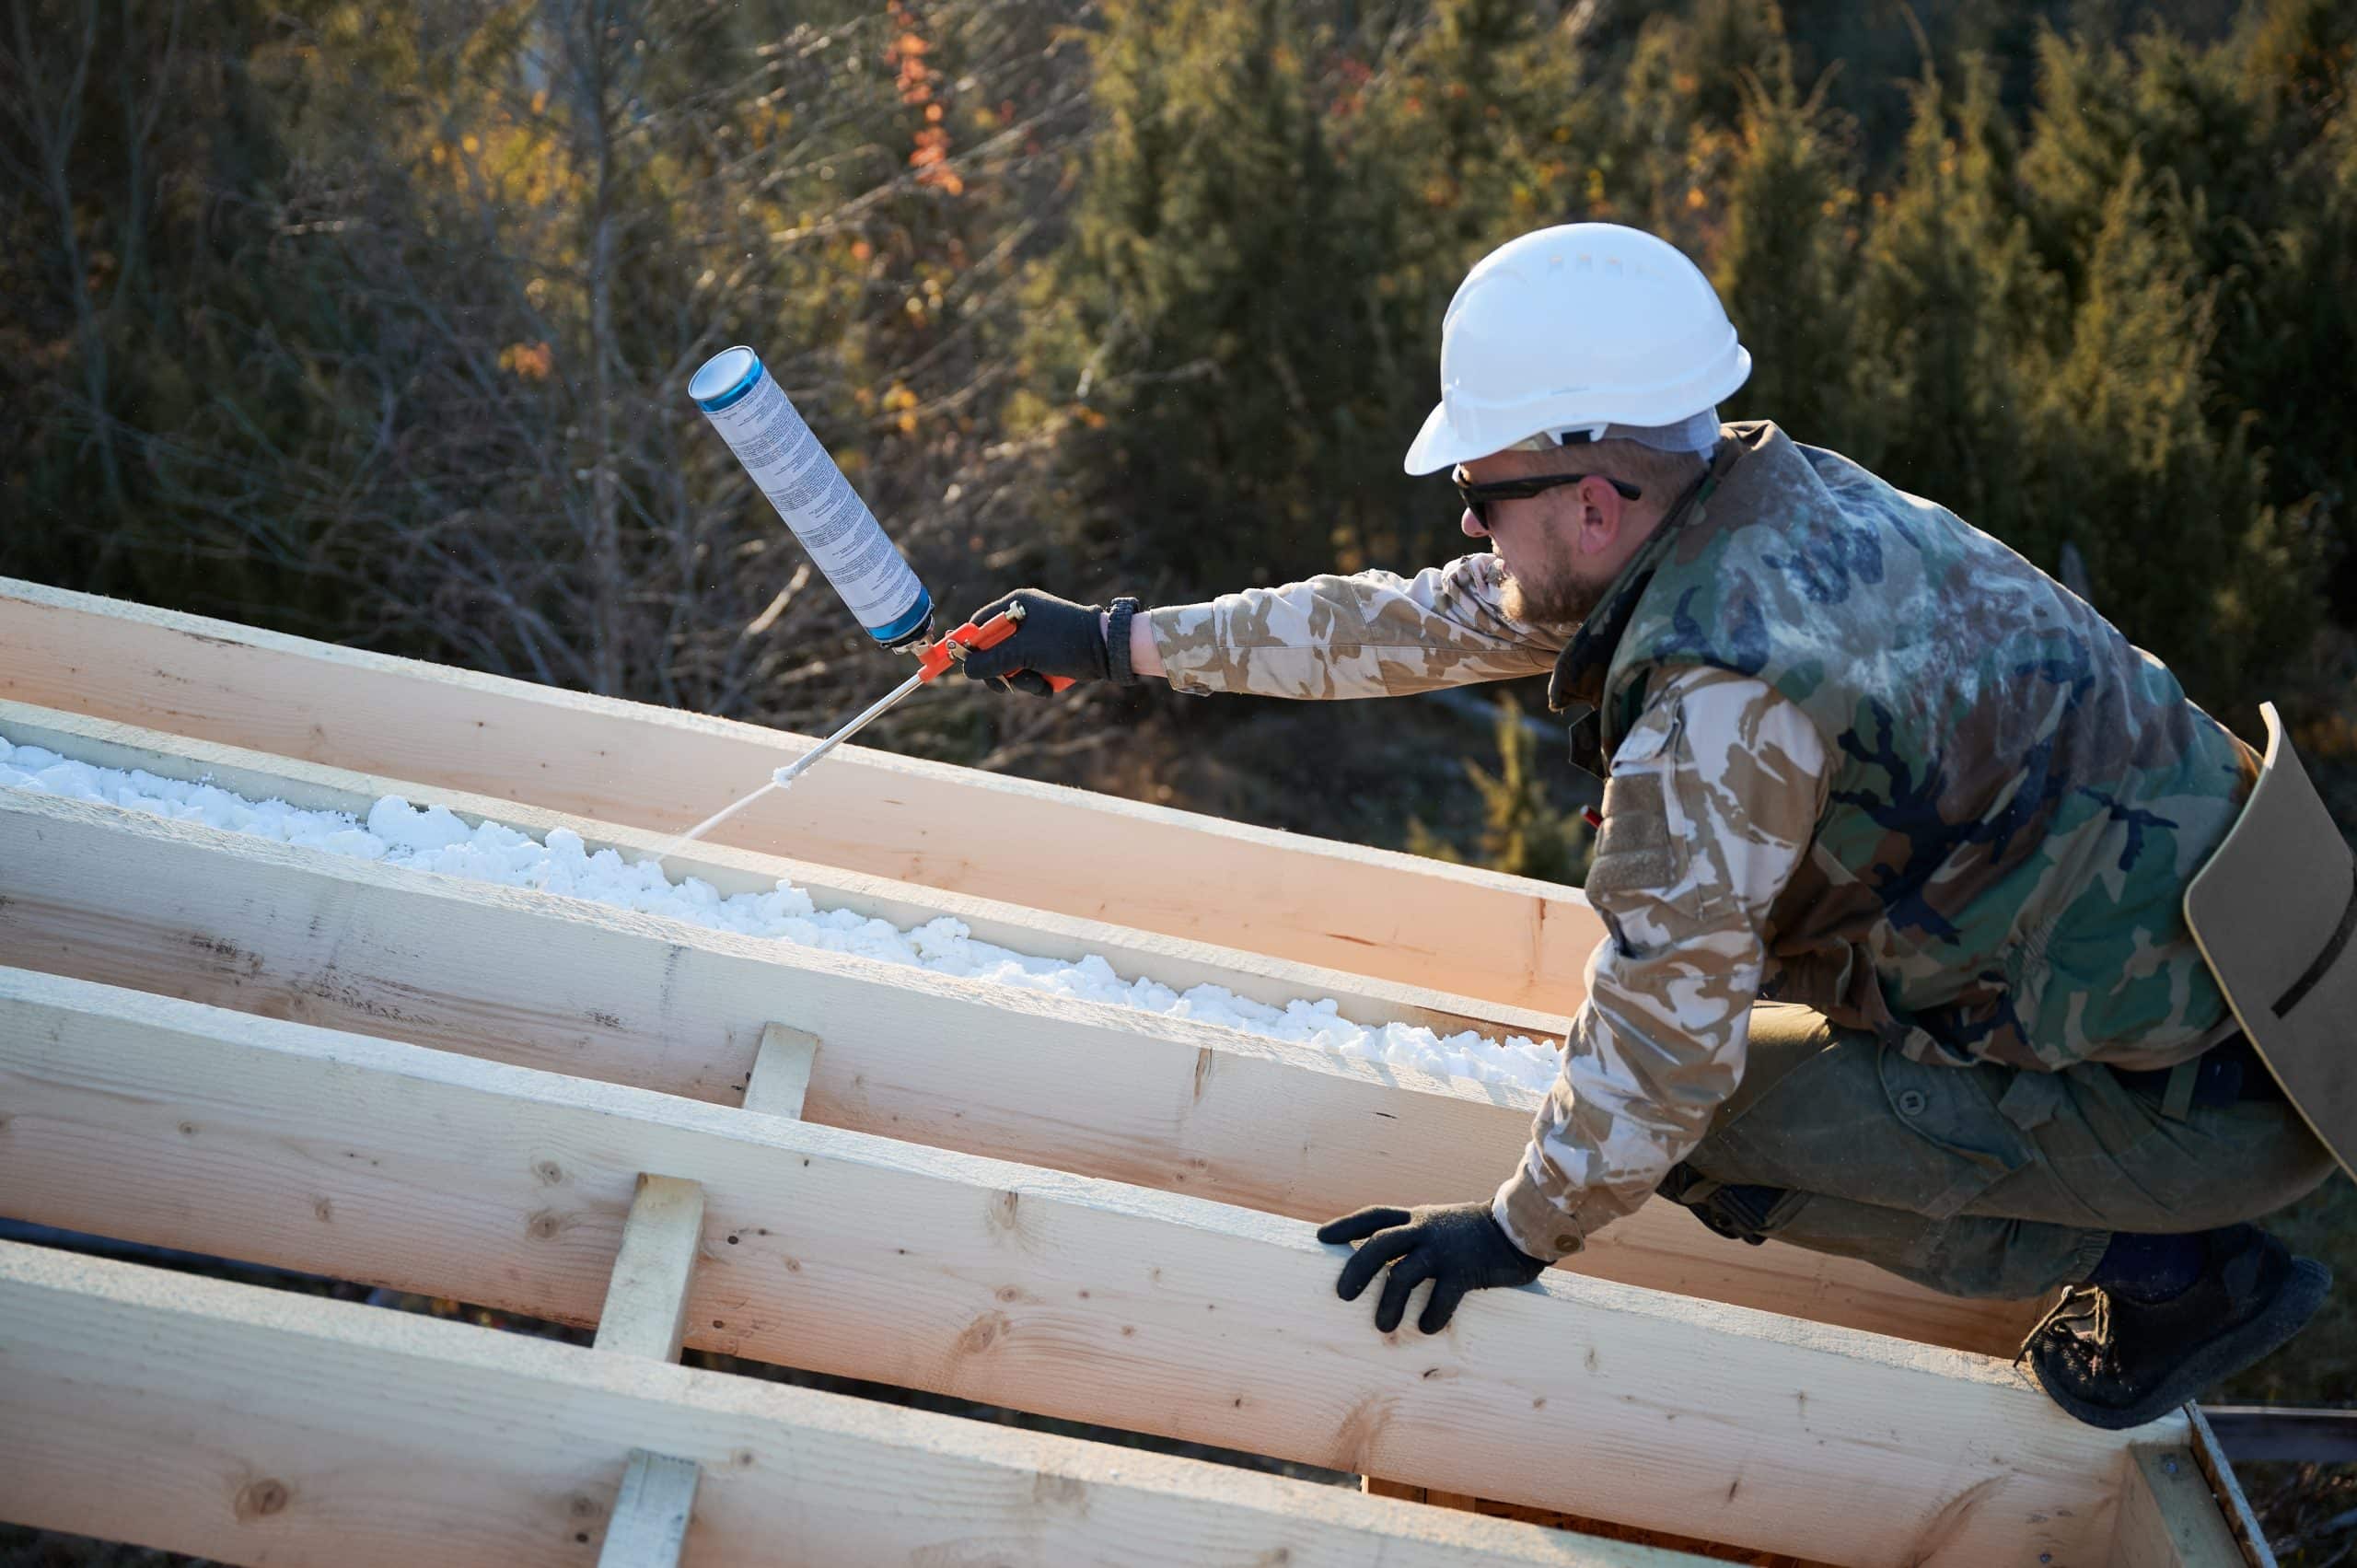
(1373, 634)
(1713, 799)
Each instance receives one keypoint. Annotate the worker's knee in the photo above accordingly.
(2225, 1165)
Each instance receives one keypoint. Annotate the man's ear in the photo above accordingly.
(1601, 515)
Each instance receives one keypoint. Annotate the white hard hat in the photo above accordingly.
(1585, 328)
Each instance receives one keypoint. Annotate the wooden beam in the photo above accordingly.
(1089, 1301)
(646, 1300)
(781, 1078)
(2228, 1490)
(251, 1425)
(1555, 1519)
(2167, 1517)
(542, 982)
(649, 1529)
(1174, 962)
(646, 1314)
(1371, 911)
(2267, 1431)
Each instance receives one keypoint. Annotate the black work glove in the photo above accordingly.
(1058, 637)
(1458, 1246)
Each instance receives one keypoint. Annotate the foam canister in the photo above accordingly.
(752, 411)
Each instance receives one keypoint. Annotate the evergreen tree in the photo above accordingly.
(1787, 257)
(2167, 504)
(369, 320)
(1681, 100)
(2284, 350)
(1476, 130)
(1205, 323)
(2237, 140)
(1950, 302)
(1523, 834)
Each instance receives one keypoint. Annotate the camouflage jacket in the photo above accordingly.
(1373, 635)
(1660, 1039)
(1863, 756)
(2019, 795)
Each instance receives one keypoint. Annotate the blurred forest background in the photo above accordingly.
(371, 320)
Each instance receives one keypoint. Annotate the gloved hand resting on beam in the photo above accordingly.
(1458, 1247)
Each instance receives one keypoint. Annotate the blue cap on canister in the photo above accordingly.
(724, 380)
(726, 377)
(914, 624)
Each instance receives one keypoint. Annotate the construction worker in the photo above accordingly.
(1896, 837)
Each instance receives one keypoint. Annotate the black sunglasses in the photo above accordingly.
(1479, 496)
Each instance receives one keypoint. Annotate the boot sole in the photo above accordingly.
(2303, 1290)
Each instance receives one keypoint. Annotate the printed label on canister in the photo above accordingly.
(769, 436)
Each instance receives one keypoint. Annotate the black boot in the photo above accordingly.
(2115, 1362)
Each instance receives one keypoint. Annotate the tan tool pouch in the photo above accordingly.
(2275, 914)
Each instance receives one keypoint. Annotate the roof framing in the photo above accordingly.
(1178, 962)
(872, 1258)
(576, 987)
(1449, 928)
(580, 1113)
(247, 1425)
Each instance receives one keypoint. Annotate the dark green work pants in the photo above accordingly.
(1977, 1181)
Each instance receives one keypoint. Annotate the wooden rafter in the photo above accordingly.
(246, 1425)
(1173, 961)
(128, 899)
(1452, 929)
(2168, 1517)
(848, 1253)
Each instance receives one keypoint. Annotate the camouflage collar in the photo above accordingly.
(1578, 677)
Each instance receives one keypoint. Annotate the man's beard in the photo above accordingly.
(1565, 602)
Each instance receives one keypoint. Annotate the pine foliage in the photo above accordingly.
(1524, 833)
(372, 320)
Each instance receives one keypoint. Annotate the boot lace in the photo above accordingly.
(2083, 1314)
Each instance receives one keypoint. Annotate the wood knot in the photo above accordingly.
(260, 1499)
(983, 1332)
(548, 1172)
(543, 1227)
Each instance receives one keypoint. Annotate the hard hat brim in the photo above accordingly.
(1437, 446)
(1445, 442)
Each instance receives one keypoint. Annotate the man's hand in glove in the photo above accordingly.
(1458, 1247)
(1058, 637)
